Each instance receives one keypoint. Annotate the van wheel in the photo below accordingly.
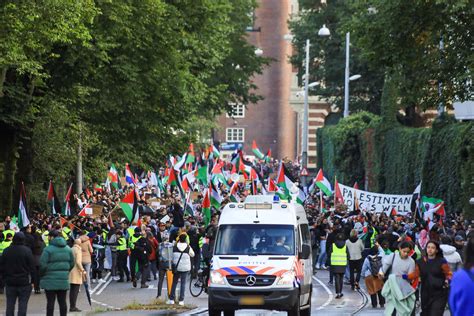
(214, 312)
(295, 311)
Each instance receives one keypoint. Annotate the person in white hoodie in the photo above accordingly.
(182, 254)
(450, 254)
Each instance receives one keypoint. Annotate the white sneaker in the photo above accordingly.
(101, 280)
(94, 281)
(181, 303)
(324, 267)
(169, 302)
(317, 266)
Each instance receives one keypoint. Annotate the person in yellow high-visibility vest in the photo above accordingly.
(339, 257)
(7, 241)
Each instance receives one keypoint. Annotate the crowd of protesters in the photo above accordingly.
(390, 254)
(402, 261)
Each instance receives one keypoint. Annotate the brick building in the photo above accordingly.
(272, 121)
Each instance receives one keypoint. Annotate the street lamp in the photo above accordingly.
(324, 31)
(258, 52)
(347, 77)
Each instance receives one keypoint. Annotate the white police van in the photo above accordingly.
(262, 258)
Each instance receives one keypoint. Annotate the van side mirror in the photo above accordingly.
(305, 251)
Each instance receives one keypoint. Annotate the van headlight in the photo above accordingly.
(287, 278)
(217, 278)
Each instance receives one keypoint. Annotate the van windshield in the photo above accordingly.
(255, 240)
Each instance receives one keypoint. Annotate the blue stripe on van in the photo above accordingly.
(232, 272)
(246, 270)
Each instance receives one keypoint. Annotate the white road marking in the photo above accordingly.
(100, 284)
(331, 296)
(103, 288)
(105, 305)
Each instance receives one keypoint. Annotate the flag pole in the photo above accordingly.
(335, 192)
(321, 198)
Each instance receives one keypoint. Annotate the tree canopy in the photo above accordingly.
(132, 80)
(395, 39)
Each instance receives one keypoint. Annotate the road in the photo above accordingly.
(113, 295)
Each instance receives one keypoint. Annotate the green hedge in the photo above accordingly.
(448, 170)
(396, 158)
(341, 146)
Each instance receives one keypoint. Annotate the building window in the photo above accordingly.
(251, 26)
(235, 135)
(238, 111)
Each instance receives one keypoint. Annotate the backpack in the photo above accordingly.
(375, 264)
(166, 254)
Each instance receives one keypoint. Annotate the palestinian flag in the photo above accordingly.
(272, 187)
(206, 208)
(67, 202)
(98, 188)
(217, 168)
(215, 196)
(268, 156)
(237, 161)
(188, 206)
(180, 162)
(129, 207)
(86, 210)
(323, 184)
(23, 220)
(301, 197)
(113, 177)
(257, 151)
(338, 198)
(431, 206)
(284, 182)
(185, 185)
(429, 203)
(190, 157)
(174, 181)
(53, 201)
(234, 197)
(203, 175)
(129, 175)
(214, 151)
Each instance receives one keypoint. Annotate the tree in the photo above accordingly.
(327, 56)
(403, 38)
(132, 80)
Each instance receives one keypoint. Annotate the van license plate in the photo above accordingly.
(251, 300)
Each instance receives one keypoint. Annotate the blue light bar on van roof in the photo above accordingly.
(276, 199)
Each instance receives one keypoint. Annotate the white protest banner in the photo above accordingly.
(376, 202)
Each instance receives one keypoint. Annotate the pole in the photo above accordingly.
(79, 163)
(321, 200)
(440, 83)
(304, 156)
(346, 78)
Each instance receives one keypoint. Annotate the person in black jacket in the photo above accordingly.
(140, 249)
(37, 251)
(17, 268)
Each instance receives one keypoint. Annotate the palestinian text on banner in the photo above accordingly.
(376, 202)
